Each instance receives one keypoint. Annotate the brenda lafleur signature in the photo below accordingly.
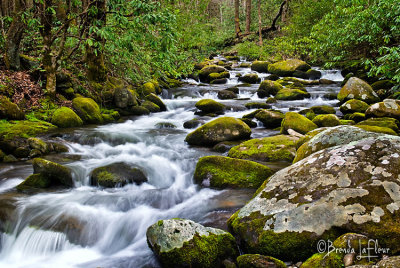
(364, 250)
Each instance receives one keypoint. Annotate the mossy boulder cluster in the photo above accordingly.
(212, 72)
(297, 122)
(9, 110)
(250, 79)
(218, 130)
(355, 88)
(288, 67)
(184, 243)
(88, 110)
(268, 88)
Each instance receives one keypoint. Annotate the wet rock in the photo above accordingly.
(330, 96)
(270, 118)
(260, 66)
(124, 98)
(271, 100)
(36, 143)
(204, 73)
(249, 122)
(349, 188)
(387, 122)
(139, 110)
(326, 82)
(356, 88)
(276, 148)
(259, 261)
(22, 152)
(292, 94)
(323, 109)
(210, 106)
(233, 89)
(250, 79)
(9, 110)
(64, 117)
(117, 175)
(268, 88)
(387, 108)
(192, 123)
(257, 105)
(151, 106)
(184, 243)
(288, 67)
(88, 110)
(162, 125)
(377, 129)
(156, 100)
(356, 117)
(219, 81)
(223, 172)
(326, 120)
(297, 122)
(313, 74)
(226, 95)
(330, 137)
(218, 130)
(9, 159)
(354, 106)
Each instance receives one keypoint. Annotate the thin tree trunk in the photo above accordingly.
(248, 16)
(259, 22)
(94, 54)
(285, 12)
(13, 37)
(237, 19)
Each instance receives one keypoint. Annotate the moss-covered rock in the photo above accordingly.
(10, 130)
(327, 194)
(258, 261)
(383, 84)
(250, 79)
(88, 110)
(117, 175)
(163, 125)
(147, 88)
(275, 148)
(387, 108)
(377, 129)
(323, 109)
(297, 122)
(223, 172)
(326, 120)
(219, 81)
(388, 122)
(326, 138)
(155, 99)
(357, 89)
(325, 260)
(249, 122)
(151, 106)
(193, 123)
(218, 130)
(184, 243)
(216, 76)
(226, 95)
(9, 110)
(65, 117)
(46, 174)
(38, 144)
(233, 89)
(139, 110)
(257, 105)
(2, 155)
(107, 118)
(123, 98)
(204, 73)
(292, 94)
(268, 88)
(270, 118)
(210, 106)
(288, 67)
(260, 66)
(347, 122)
(356, 117)
(354, 106)
(271, 100)
(313, 74)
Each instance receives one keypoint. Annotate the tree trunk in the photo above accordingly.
(94, 54)
(14, 37)
(259, 22)
(248, 16)
(237, 19)
(285, 12)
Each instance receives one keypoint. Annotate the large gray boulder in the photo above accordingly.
(358, 89)
(348, 188)
(184, 243)
(387, 108)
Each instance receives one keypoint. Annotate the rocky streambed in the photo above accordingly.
(129, 185)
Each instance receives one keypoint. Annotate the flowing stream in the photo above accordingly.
(89, 226)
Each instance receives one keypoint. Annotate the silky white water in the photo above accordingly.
(89, 226)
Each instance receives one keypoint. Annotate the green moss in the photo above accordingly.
(107, 118)
(268, 87)
(354, 106)
(151, 106)
(155, 99)
(356, 88)
(297, 122)
(356, 117)
(270, 118)
(222, 172)
(218, 130)
(257, 105)
(23, 129)
(215, 76)
(260, 66)
(347, 122)
(64, 117)
(292, 94)
(377, 129)
(323, 109)
(326, 120)
(2, 155)
(288, 67)
(88, 110)
(210, 106)
(276, 148)
(332, 260)
(250, 78)
(34, 181)
(258, 261)
(204, 73)
(387, 122)
(9, 110)
(55, 172)
(147, 88)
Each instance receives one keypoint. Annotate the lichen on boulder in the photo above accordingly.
(223, 172)
(184, 243)
(288, 67)
(387, 108)
(220, 129)
(354, 106)
(65, 117)
(355, 88)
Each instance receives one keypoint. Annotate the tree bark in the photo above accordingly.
(14, 36)
(237, 19)
(259, 22)
(285, 12)
(94, 54)
(248, 16)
